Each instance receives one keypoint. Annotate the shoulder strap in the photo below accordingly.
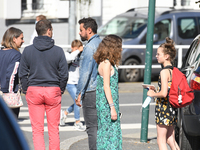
(170, 75)
(168, 67)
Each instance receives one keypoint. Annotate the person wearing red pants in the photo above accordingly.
(44, 73)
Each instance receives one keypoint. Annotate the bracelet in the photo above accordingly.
(112, 104)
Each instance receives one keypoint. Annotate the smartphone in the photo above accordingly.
(149, 86)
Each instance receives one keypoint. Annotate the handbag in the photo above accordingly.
(13, 100)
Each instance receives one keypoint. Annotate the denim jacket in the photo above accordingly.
(88, 67)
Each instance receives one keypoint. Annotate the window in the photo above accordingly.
(124, 27)
(199, 22)
(187, 28)
(163, 29)
(30, 5)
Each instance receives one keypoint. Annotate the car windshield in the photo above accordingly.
(124, 27)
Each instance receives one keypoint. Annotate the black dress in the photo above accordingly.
(165, 114)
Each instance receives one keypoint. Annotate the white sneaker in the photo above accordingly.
(79, 126)
(63, 117)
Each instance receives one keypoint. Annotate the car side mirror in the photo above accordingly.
(155, 37)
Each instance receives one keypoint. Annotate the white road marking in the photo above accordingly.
(26, 114)
(71, 128)
(135, 126)
(135, 104)
(26, 108)
(25, 124)
(27, 121)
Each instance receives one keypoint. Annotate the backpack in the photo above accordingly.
(180, 93)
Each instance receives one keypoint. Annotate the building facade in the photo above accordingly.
(22, 13)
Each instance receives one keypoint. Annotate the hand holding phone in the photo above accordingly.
(149, 87)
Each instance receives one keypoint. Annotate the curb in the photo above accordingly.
(65, 145)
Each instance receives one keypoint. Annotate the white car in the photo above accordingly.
(188, 128)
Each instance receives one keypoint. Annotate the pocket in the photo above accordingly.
(89, 99)
(53, 95)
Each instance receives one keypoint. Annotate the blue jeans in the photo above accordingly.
(71, 88)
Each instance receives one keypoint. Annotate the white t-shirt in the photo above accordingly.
(74, 66)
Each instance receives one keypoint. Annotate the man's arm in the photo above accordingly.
(86, 66)
(63, 70)
(23, 72)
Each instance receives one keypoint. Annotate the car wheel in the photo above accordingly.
(130, 75)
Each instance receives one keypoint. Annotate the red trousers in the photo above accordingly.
(39, 100)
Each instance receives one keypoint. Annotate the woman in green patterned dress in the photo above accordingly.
(107, 56)
(165, 114)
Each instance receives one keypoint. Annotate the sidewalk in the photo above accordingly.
(130, 142)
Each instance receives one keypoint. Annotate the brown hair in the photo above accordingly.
(8, 36)
(76, 43)
(169, 48)
(42, 26)
(110, 48)
(41, 17)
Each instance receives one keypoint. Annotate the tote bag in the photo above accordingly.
(13, 100)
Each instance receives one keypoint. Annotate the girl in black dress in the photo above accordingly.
(165, 114)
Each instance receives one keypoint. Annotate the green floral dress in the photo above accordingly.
(109, 136)
(165, 114)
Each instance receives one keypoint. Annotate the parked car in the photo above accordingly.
(182, 26)
(11, 136)
(188, 128)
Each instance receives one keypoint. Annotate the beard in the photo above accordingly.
(83, 38)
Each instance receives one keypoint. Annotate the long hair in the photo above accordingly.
(110, 48)
(8, 36)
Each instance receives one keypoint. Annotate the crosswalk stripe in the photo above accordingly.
(27, 121)
(24, 121)
(26, 114)
(26, 108)
(136, 126)
(71, 128)
(65, 128)
(135, 104)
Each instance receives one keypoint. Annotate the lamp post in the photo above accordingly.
(147, 72)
